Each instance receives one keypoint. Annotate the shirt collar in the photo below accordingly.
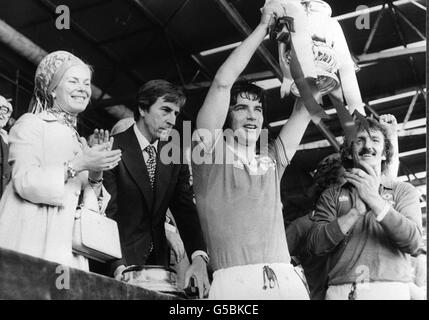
(4, 135)
(385, 183)
(245, 159)
(44, 115)
(142, 139)
(62, 117)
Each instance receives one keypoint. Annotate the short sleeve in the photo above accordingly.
(278, 152)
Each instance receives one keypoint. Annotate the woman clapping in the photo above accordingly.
(52, 165)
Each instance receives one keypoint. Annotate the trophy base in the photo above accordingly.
(326, 82)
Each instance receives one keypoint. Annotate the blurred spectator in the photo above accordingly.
(328, 173)
(122, 125)
(5, 113)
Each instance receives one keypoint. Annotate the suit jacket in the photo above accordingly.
(5, 170)
(140, 211)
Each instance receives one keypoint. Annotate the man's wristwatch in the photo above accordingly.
(205, 258)
(200, 253)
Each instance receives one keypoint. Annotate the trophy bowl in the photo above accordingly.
(152, 277)
(326, 68)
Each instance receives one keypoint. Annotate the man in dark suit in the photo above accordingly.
(143, 187)
(5, 170)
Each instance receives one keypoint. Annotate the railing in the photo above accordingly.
(27, 277)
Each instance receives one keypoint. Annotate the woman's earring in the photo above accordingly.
(53, 95)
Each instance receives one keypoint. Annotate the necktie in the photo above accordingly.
(151, 164)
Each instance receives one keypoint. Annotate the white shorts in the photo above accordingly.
(251, 282)
(378, 290)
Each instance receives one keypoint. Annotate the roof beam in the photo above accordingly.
(374, 29)
(81, 32)
(382, 55)
(419, 5)
(410, 92)
(258, 76)
(325, 144)
(418, 178)
(412, 48)
(122, 37)
(241, 25)
(357, 13)
(49, 20)
(143, 8)
(13, 82)
(345, 16)
(410, 24)
(32, 52)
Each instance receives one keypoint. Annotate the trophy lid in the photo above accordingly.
(317, 6)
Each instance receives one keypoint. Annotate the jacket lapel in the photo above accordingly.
(162, 177)
(133, 159)
(3, 155)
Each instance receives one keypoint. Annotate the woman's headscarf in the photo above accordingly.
(49, 73)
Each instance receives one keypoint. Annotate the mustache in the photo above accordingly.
(365, 150)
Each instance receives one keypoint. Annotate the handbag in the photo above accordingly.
(95, 236)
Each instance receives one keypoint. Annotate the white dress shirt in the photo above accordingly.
(144, 143)
(4, 135)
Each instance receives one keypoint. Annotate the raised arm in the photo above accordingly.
(293, 130)
(214, 110)
(388, 121)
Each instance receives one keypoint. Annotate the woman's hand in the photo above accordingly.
(99, 137)
(97, 158)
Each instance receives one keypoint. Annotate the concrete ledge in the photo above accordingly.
(26, 277)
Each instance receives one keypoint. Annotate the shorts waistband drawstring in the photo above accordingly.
(352, 293)
(269, 277)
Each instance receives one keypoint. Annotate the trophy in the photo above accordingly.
(309, 25)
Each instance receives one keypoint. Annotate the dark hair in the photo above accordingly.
(328, 172)
(154, 89)
(248, 90)
(373, 125)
